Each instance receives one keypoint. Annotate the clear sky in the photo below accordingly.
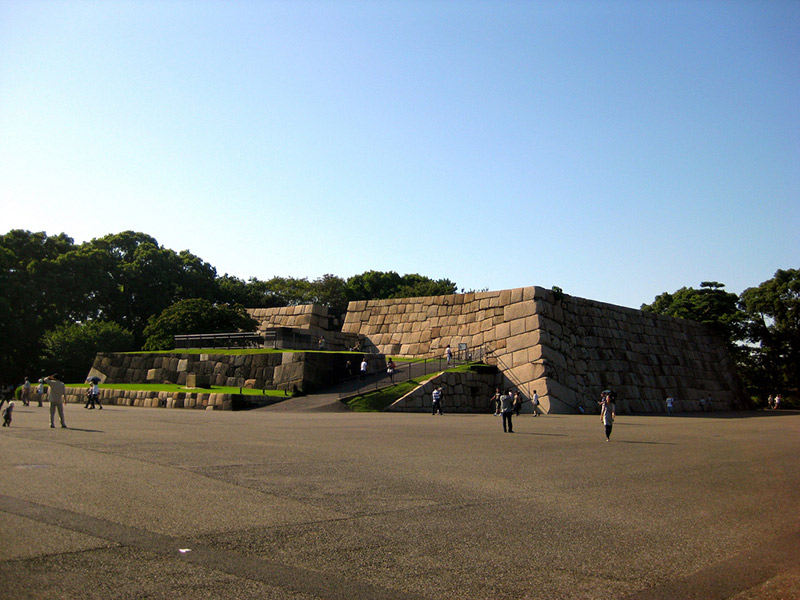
(615, 149)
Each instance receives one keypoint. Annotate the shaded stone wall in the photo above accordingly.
(203, 400)
(587, 346)
(565, 348)
(461, 393)
(150, 399)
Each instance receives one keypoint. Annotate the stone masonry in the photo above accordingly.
(311, 319)
(306, 371)
(567, 349)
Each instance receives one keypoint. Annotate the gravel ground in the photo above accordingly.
(156, 503)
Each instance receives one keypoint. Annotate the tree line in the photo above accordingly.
(61, 303)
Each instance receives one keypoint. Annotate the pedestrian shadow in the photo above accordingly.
(648, 443)
(85, 430)
(547, 434)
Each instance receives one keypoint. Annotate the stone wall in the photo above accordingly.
(312, 317)
(565, 348)
(461, 393)
(306, 371)
(309, 319)
(150, 399)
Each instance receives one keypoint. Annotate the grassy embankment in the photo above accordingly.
(378, 400)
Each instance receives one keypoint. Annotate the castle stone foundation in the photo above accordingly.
(566, 349)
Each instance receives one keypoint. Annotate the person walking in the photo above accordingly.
(89, 398)
(607, 413)
(670, 404)
(57, 393)
(8, 414)
(437, 400)
(507, 410)
(495, 400)
(26, 392)
(449, 354)
(94, 396)
(6, 394)
(390, 369)
(40, 392)
(517, 403)
(535, 403)
(364, 368)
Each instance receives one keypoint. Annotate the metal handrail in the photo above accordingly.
(245, 336)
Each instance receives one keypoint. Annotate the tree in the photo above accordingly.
(773, 326)
(30, 301)
(373, 285)
(379, 285)
(415, 286)
(232, 290)
(331, 291)
(137, 278)
(70, 348)
(710, 305)
(194, 315)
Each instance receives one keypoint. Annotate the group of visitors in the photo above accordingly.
(52, 389)
(705, 404)
(363, 368)
(508, 403)
(55, 392)
(27, 392)
(774, 403)
(93, 394)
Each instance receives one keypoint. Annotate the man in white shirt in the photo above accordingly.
(57, 393)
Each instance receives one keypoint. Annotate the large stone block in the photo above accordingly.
(519, 310)
(522, 341)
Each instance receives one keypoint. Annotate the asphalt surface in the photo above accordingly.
(300, 505)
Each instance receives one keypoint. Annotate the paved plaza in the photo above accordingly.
(299, 505)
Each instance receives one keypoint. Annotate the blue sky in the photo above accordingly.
(615, 149)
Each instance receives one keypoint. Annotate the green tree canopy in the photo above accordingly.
(70, 348)
(773, 310)
(379, 285)
(30, 304)
(194, 315)
(144, 278)
(128, 278)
